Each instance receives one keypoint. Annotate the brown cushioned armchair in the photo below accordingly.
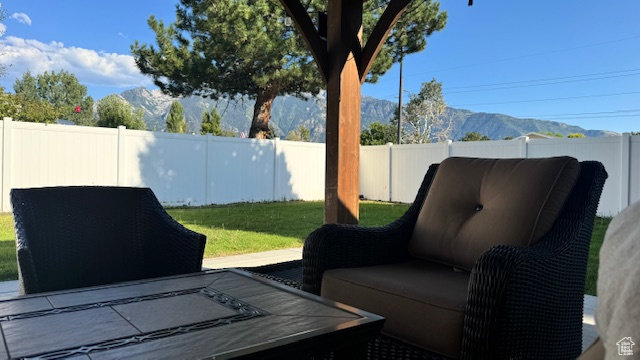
(489, 261)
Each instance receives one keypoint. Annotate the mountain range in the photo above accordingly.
(289, 112)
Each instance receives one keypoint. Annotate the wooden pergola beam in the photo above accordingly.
(304, 24)
(387, 21)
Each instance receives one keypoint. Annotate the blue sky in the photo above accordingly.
(573, 61)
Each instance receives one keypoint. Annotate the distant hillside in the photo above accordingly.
(289, 112)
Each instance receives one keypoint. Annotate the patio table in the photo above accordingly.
(216, 314)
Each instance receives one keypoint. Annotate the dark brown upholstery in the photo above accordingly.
(523, 302)
(409, 295)
(478, 203)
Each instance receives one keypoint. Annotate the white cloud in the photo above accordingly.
(22, 18)
(3, 29)
(92, 68)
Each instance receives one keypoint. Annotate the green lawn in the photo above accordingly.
(248, 228)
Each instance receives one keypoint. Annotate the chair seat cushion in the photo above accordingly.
(423, 302)
(474, 204)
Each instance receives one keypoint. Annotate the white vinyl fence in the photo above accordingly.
(180, 169)
(200, 170)
(395, 172)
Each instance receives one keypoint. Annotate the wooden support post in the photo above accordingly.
(343, 112)
(344, 64)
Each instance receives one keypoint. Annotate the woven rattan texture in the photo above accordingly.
(68, 237)
(523, 303)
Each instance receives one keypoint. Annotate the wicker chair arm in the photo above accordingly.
(338, 246)
(524, 301)
(179, 249)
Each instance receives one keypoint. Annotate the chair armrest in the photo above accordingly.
(27, 276)
(527, 301)
(339, 246)
(169, 243)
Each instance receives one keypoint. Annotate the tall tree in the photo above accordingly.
(426, 115)
(379, 134)
(301, 133)
(474, 136)
(175, 120)
(227, 48)
(211, 124)
(62, 90)
(114, 111)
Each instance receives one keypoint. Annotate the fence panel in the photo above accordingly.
(409, 164)
(62, 155)
(374, 172)
(240, 170)
(502, 149)
(634, 170)
(197, 170)
(173, 165)
(300, 171)
(607, 150)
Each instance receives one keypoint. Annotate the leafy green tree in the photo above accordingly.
(227, 48)
(62, 90)
(635, 133)
(575, 135)
(211, 124)
(409, 35)
(379, 134)
(426, 116)
(474, 136)
(301, 133)
(553, 134)
(114, 111)
(9, 106)
(28, 110)
(175, 121)
(508, 138)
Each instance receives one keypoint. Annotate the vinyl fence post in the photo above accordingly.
(208, 166)
(447, 148)
(390, 169)
(6, 163)
(276, 166)
(524, 143)
(625, 170)
(121, 155)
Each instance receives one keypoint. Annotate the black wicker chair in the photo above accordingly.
(69, 237)
(522, 302)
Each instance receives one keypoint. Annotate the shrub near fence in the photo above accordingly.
(199, 170)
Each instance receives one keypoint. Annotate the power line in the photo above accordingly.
(549, 99)
(590, 113)
(588, 117)
(544, 79)
(541, 82)
(529, 55)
